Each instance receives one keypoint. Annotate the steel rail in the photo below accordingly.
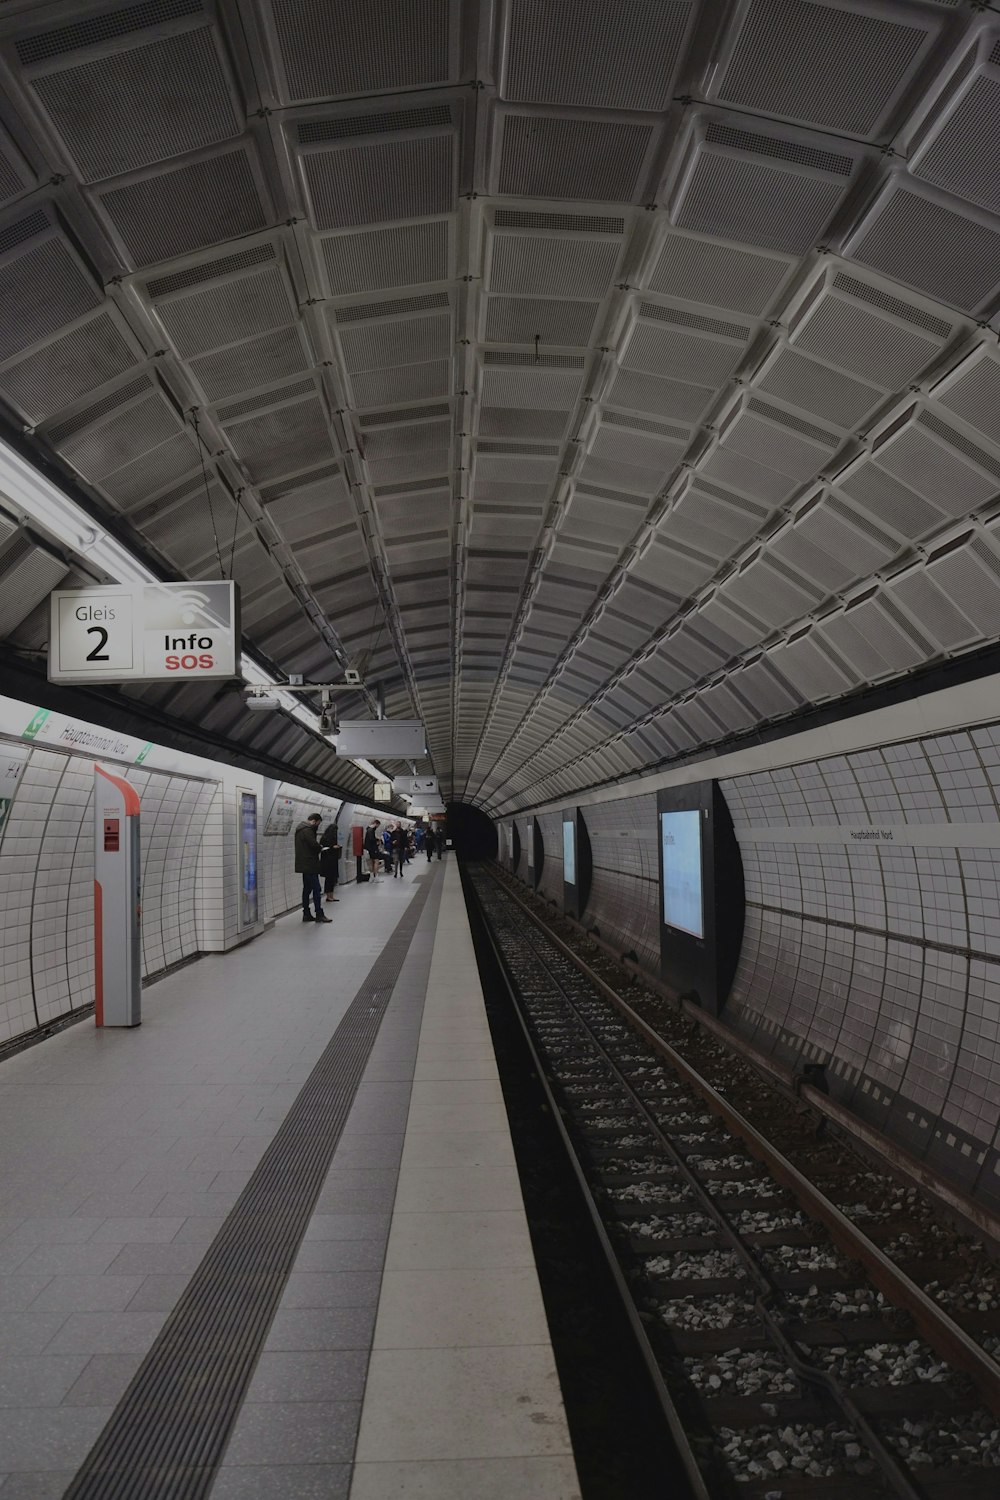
(786, 1079)
(938, 1328)
(892, 1470)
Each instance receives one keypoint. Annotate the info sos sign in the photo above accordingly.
(146, 632)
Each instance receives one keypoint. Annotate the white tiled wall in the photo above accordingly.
(47, 882)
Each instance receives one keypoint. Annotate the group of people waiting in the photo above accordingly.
(387, 849)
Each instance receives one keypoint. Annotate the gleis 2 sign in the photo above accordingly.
(149, 632)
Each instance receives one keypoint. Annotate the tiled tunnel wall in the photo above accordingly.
(47, 882)
(189, 875)
(872, 937)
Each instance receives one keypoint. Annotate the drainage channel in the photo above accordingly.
(167, 1436)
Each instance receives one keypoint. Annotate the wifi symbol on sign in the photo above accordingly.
(192, 606)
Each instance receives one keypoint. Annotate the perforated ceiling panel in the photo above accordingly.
(607, 377)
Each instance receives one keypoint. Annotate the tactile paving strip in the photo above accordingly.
(166, 1437)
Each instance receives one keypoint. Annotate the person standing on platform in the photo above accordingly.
(329, 861)
(307, 864)
(398, 850)
(373, 847)
(439, 842)
(429, 844)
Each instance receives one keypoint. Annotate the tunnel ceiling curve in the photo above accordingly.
(605, 377)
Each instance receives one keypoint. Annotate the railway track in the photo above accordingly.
(795, 1357)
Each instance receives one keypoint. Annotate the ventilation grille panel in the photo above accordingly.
(68, 368)
(46, 45)
(519, 320)
(824, 65)
(951, 256)
(41, 289)
(175, 85)
(245, 367)
(655, 349)
(540, 266)
(661, 398)
(209, 270)
(377, 260)
(718, 275)
(229, 313)
(960, 149)
(402, 342)
(331, 52)
(587, 53)
(598, 161)
(187, 208)
(762, 202)
(282, 441)
(380, 181)
(839, 331)
(817, 388)
(974, 396)
(403, 383)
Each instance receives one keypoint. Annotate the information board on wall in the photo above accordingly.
(569, 852)
(280, 818)
(248, 859)
(683, 904)
(144, 632)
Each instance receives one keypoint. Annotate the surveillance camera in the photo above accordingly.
(325, 722)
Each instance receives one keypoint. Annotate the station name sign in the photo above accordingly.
(153, 632)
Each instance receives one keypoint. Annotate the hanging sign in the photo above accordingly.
(147, 632)
(417, 786)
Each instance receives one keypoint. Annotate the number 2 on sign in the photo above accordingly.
(96, 655)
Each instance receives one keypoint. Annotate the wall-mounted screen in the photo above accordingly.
(569, 853)
(680, 836)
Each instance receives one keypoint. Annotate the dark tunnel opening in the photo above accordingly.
(472, 831)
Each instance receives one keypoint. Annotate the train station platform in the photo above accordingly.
(271, 1245)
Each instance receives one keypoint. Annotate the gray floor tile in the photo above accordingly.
(321, 1328)
(325, 1376)
(156, 1260)
(29, 1332)
(128, 1332)
(18, 1292)
(50, 1485)
(288, 1482)
(68, 1230)
(56, 1437)
(199, 1231)
(38, 1379)
(158, 1230)
(295, 1432)
(468, 1479)
(348, 1226)
(103, 1380)
(87, 1294)
(340, 1255)
(158, 1293)
(331, 1289)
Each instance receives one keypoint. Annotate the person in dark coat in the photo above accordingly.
(329, 861)
(398, 850)
(373, 847)
(307, 861)
(429, 844)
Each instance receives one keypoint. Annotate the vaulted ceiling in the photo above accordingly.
(606, 377)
